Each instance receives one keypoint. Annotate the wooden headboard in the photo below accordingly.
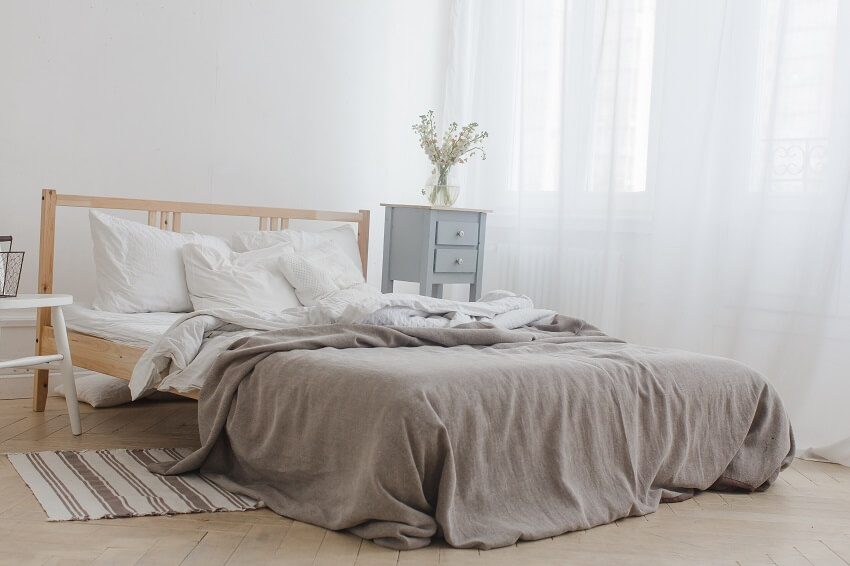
(166, 215)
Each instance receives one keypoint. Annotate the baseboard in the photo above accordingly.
(23, 318)
(19, 385)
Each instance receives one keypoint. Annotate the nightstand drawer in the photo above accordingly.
(455, 261)
(457, 234)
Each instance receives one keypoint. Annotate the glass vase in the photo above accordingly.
(442, 188)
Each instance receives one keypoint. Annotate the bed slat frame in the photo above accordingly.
(112, 358)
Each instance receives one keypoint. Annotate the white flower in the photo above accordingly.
(455, 145)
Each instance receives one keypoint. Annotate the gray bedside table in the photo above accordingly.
(434, 246)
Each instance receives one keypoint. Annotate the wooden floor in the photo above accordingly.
(804, 519)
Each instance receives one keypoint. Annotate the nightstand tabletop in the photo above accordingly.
(429, 207)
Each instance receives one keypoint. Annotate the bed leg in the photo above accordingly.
(46, 252)
(39, 390)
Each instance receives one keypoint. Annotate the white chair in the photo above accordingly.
(55, 302)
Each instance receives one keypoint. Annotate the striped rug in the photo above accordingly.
(96, 484)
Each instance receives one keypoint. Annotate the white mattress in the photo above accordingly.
(140, 329)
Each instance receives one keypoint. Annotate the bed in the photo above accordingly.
(403, 418)
(116, 357)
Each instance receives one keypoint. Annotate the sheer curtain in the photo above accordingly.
(676, 172)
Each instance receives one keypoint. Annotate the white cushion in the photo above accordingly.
(322, 272)
(140, 268)
(301, 240)
(225, 279)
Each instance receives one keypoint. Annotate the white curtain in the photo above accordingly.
(676, 172)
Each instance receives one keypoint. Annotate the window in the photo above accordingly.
(541, 95)
(571, 114)
(621, 118)
(798, 45)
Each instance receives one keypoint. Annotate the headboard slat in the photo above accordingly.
(203, 208)
(170, 216)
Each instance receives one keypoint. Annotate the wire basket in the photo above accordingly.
(11, 265)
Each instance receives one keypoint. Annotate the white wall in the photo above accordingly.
(297, 104)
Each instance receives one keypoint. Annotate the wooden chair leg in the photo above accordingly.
(39, 391)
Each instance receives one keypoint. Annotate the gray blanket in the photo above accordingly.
(483, 436)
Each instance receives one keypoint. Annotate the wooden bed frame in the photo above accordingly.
(113, 358)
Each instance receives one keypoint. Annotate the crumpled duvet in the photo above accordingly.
(477, 433)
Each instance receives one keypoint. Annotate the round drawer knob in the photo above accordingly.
(461, 233)
(459, 261)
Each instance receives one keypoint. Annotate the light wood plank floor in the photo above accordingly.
(804, 519)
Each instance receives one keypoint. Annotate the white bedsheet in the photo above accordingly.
(138, 329)
(193, 343)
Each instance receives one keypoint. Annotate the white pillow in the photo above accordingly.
(140, 268)
(225, 279)
(321, 272)
(301, 240)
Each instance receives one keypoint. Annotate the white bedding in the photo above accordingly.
(137, 329)
(191, 345)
